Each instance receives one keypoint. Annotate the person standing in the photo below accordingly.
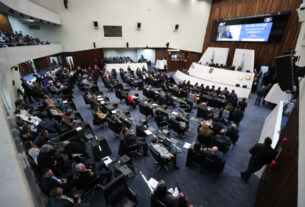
(262, 154)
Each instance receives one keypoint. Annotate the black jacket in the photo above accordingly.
(262, 154)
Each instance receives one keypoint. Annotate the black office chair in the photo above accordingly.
(115, 127)
(98, 121)
(193, 156)
(222, 145)
(175, 126)
(161, 123)
(203, 113)
(145, 110)
(117, 193)
(119, 95)
(156, 155)
(213, 165)
(204, 140)
(130, 149)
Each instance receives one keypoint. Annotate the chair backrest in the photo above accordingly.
(155, 202)
(113, 126)
(156, 155)
(115, 190)
(143, 109)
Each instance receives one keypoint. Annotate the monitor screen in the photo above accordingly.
(244, 32)
(257, 28)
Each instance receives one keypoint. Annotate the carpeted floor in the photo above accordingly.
(203, 190)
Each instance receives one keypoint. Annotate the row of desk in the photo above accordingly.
(241, 92)
(124, 66)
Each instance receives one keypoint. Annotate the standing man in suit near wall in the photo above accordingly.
(262, 154)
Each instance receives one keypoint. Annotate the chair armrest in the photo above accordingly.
(132, 194)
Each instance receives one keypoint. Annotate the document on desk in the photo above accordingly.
(102, 102)
(186, 145)
(174, 141)
(107, 160)
(78, 129)
(65, 101)
(148, 132)
(113, 111)
(99, 96)
(175, 113)
(152, 183)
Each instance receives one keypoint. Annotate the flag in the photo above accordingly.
(212, 59)
(242, 62)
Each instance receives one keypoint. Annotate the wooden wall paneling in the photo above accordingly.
(161, 53)
(25, 68)
(278, 187)
(265, 53)
(87, 58)
(5, 24)
(42, 63)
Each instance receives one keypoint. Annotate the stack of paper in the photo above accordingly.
(186, 145)
(152, 183)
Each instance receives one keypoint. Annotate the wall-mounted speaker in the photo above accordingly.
(127, 44)
(95, 25)
(94, 45)
(139, 25)
(237, 85)
(167, 44)
(66, 3)
(176, 27)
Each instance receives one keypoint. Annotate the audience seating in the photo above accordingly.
(117, 193)
(156, 155)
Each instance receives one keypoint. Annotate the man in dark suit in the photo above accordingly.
(27, 89)
(50, 181)
(227, 34)
(262, 154)
(58, 199)
(233, 133)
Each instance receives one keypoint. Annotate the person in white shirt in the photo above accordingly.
(32, 150)
(165, 153)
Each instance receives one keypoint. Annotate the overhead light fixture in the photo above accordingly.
(30, 20)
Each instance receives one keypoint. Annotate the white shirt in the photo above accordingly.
(164, 153)
(34, 152)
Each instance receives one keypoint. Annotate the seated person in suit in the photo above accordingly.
(66, 124)
(50, 181)
(88, 97)
(212, 154)
(196, 147)
(233, 133)
(58, 199)
(161, 193)
(204, 110)
(130, 137)
(243, 104)
(236, 115)
(170, 197)
(165, 153)
(116, 121)
(222, 138)
(48, 159)
(90, 174)
(216, 126)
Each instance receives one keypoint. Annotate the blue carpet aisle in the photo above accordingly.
(227, 189)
